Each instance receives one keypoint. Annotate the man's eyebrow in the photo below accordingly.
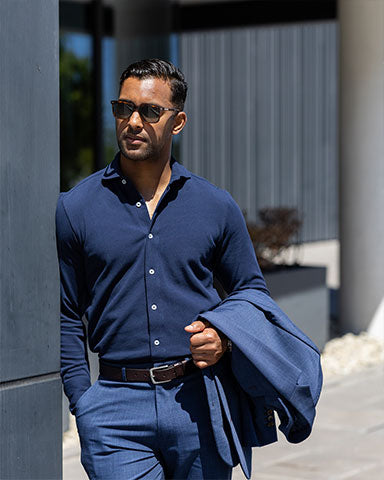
(125, 99)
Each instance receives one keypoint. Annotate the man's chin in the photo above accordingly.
(135, 155)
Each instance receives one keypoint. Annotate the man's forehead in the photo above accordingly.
(148, 89)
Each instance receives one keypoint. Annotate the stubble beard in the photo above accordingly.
(149, 153)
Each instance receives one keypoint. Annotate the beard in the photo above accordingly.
(144, 152)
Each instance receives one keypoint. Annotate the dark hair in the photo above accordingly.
(156, 68)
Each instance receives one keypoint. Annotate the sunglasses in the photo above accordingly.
(149, 113)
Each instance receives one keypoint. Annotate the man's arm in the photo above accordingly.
(237, 268)
(74, 360)
(236, 265)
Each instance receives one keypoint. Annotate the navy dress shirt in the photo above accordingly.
(139, 280)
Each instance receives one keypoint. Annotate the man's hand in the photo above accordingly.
(207, 345)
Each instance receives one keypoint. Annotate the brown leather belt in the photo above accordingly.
(156, 375)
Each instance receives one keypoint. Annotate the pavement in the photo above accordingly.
(347, 441)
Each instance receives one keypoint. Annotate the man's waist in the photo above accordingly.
(158, 373)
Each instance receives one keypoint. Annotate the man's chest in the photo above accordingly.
(151, 205)
(174, 236)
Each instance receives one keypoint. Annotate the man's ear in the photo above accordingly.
(179, 121)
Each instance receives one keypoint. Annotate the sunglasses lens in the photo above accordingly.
(150, 113)
(122, 110)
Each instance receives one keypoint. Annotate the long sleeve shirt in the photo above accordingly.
(138, 281)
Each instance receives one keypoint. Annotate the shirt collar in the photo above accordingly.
(178, 171)
(113, 170)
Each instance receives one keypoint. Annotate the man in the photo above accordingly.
(139, 245)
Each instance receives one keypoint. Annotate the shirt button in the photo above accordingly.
(138, 204)
(154, 306)
(156, 342)
(151, 271)
(123, 181)
(150, 235)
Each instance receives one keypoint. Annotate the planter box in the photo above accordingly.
(301, 292)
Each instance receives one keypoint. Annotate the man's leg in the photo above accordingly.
(185, 432)
(117, 427)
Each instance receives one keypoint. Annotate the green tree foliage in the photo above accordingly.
(76, 123)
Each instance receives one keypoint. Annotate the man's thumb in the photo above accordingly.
(195, 327)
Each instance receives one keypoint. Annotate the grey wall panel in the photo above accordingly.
(262, 108)
(30, 440)
(29, 183)
(30, 387)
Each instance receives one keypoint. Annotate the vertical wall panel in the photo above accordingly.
(30, 386)
(262, 108)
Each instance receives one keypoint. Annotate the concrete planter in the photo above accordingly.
(301, 292)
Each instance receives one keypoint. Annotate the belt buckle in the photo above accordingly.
(152, 375)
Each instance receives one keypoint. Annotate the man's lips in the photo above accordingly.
(133, 139)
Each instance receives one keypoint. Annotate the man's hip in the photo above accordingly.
(144, 430)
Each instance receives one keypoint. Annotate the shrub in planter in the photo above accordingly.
(277, 231)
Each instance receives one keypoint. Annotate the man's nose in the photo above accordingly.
(135, 122)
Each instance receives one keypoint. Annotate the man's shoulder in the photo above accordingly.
(81, 191)
(79, 198)
(206, 188)
(214, 199)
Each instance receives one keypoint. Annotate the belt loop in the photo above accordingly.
(123, 374)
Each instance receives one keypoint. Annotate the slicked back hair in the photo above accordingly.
(155, 68)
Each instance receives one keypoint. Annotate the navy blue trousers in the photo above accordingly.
(138, 430)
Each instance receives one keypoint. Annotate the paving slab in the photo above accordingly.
(72, 468)
(347, 439)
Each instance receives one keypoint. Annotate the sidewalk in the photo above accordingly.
(347, 440)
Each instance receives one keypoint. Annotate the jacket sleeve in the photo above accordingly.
(74, 360)
(236, 266)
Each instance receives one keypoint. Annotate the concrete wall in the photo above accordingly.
(30, 387)
(362, 166)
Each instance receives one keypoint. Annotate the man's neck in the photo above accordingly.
(150, 178)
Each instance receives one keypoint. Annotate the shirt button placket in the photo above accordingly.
(154, 319)
(155, 316)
